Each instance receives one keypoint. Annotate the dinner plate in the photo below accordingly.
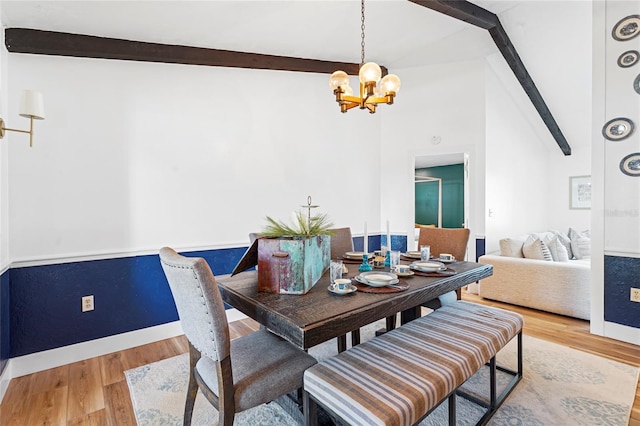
(350, 289)
(378, 279)
(354, 254)
(428, 266)
(379, 275)
(413, 254)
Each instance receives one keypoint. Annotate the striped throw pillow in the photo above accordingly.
(533, 248)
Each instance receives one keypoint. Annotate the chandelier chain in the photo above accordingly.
(362, 32)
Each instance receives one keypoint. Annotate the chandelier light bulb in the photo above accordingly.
(348, 91)
(370, 72)
(390, 83)
(338, 79)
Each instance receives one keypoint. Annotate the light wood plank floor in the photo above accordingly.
(94, 392)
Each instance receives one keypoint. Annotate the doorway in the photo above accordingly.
(440, 199)
(440, 191)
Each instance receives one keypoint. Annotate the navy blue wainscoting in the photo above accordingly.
(4, 320)
(620, 275)
(480, 248)
(398, 242)
(130, 293)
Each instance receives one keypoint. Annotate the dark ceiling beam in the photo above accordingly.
(22, 40)
(462, 11)
(475, 15)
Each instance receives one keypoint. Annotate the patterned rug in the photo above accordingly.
(561, 386)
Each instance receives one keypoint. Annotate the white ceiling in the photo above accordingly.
(399, 34)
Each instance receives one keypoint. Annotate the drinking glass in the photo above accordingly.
(335, 270)
(425, 252)
(395, 260)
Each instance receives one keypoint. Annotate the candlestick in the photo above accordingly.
(366, 239)
(388, 237)
(364, 266)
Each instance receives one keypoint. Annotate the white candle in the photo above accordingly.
(366, 239)
(388, 237)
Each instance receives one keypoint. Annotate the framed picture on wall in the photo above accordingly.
(580, 190)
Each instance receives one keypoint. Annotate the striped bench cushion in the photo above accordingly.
(397, 378)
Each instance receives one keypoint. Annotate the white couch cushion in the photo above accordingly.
(566, 241)
(580, 243)
(534, 248)
(511, 247)
(558, 250)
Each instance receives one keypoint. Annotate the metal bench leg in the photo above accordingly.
(520, 354)
(310, 409)
(452, 409)
(492, 382)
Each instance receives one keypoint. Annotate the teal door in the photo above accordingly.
(427, 200)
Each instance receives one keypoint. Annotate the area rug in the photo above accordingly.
(561, 386)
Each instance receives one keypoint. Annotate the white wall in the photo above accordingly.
(446, 101)
(4, 169)
(622, 196)
(133, 156)
(516, 169)
(558, 57)
(523, 160)
(562, 61)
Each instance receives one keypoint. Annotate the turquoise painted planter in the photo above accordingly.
(292, 265)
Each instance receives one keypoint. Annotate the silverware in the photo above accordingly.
(399, 287)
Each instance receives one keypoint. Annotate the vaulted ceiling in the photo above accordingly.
(399, 33)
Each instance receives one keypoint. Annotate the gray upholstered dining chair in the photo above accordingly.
(234, 375)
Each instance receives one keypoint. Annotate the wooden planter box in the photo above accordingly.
(292, 265)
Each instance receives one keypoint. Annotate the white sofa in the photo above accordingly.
(561, 287)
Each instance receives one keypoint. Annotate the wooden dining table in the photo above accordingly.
(307, 320)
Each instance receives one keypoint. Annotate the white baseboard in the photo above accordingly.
(52, 358)
(622, 332)
(45, 360)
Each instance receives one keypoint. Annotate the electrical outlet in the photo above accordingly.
(635, 294)
(87, 303)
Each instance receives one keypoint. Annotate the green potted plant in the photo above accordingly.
(301, 226)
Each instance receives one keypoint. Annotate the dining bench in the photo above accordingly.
(400, 377)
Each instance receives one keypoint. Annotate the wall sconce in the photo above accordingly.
(31, 106)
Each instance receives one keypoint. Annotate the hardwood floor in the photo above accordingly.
(94, 391)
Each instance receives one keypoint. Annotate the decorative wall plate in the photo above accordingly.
(628, 58)
(627, 28)
(636, 84)
(630, 165)
(618, 129)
